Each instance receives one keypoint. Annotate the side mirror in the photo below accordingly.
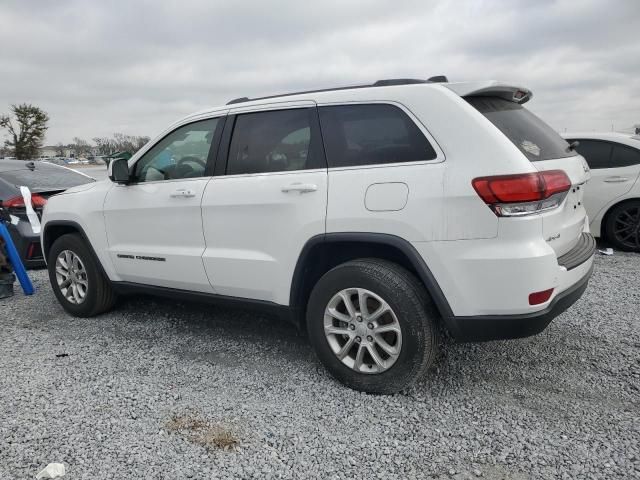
(119, 171)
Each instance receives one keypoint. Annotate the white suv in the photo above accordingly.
(371, 216)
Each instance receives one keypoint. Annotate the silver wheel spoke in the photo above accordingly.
(346, 347)
(384, 308)
(331, 330)
(359, 357)
(376, 356)
(337, 315)
(362, 301)
(346, 299)
(390, 349)
(391, 327)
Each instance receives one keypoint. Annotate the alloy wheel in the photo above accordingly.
(362, 330)
(71, 277)
(626, 227)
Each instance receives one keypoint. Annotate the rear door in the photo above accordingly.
(265, 202)
(154, 224)
(546, 150)
(614, 170)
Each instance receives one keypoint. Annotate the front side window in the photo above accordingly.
(181, 154)
(533, 137)
(358, 135)
(274, 141)
(595, 152)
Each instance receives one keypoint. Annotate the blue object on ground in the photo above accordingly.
(14, 258)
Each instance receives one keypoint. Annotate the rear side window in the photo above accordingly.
(275, 141)
(45, 177)
(533, 137)
(624, 156)
(356, 135)
(596, 153)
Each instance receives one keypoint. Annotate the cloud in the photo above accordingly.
(102, 67)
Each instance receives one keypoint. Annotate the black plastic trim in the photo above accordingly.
(130, 288)
(401, 244)
(212, 158)
(80, 230)
(580, 253)
(503, 327)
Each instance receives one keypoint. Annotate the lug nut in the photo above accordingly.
(352, 326)
(369, 338)
(359, 318)
(358, 339)
(370, 326)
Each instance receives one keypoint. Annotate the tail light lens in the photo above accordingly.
(37, 201)
(537, 298)
(523, 194)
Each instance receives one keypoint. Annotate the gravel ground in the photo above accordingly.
(156, 389)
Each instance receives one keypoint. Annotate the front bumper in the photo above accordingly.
(503, 327)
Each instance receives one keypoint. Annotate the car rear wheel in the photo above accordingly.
(372, 325)
(76, 278)
(623, 226)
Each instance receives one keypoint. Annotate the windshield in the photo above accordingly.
(533, 137)
(45, 177)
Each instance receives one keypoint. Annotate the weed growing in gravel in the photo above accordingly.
(203, 432)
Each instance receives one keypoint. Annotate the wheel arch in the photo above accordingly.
(57, 228)
(323, 252)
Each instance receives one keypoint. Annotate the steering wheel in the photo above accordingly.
(191, 159)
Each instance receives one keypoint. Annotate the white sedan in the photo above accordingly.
(612, 196)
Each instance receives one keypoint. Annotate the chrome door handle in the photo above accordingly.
(183, 193)
(616, 179)
(300, 187)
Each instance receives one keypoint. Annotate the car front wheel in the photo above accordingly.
(372, 325)
(76, 278)
(623, 226)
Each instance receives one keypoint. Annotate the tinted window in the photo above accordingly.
(596, 153)
(181, 154)
(371, 134)
(45, 178)
(624, 156)
(532, 136)
(275, 141)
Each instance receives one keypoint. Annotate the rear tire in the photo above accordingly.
(77, 279)
(622, 228)
(384, 354)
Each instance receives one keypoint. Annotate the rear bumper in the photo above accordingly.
(502, 327)
(27, 243)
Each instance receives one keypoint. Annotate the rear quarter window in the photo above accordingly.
(533, 137)
(371, 134)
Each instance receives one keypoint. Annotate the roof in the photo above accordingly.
(489, 87)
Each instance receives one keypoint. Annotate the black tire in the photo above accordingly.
(622, 228)
(100, 296)
(409, 301)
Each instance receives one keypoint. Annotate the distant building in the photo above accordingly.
(51, 151)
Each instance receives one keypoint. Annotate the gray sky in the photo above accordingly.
(135, 66)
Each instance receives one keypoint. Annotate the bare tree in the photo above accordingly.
(27, 136)
(60, 150)
(81, 147)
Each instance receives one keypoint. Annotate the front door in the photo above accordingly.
(154, 224)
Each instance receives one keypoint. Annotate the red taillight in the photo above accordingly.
(537, 298)
(37, 201)
(523, 189)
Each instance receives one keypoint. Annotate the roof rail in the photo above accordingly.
(379, 83)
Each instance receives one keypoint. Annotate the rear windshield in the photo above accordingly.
(537, 140)
(45, 177)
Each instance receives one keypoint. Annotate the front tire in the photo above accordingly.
(623, 226)
(372, 325)
(76, 278)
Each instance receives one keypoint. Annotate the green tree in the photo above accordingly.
(27, 135)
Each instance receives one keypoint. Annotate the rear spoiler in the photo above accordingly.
(491, 88)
